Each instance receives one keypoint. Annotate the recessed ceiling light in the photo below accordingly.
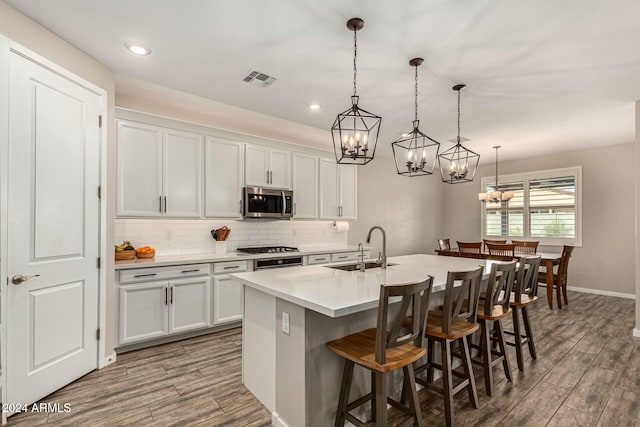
(138, 49)
(314, 106)
(404, 135)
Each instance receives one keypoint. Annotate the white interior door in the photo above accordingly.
(53, 231)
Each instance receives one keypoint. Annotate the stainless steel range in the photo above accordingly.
(290, 256)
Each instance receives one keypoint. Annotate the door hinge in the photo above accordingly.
(100, 121)
(98, 262)
(98, 334)
(99, 191)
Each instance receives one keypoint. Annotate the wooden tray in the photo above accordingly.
(122, 255)
(147, 255)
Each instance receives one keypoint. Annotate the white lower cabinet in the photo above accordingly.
(189, 304)
(143, 312)
(227, 300)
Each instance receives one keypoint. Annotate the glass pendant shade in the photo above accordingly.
(496, 196)
(458, 164)
(415, 153)
(355, 134)
(355, 131)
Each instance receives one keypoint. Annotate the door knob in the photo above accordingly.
(18, 279)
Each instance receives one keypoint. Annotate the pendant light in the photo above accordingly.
(355, 131)
(496, 196)
(415, 153)
(458, 164)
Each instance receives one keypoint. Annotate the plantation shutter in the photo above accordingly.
(506, 218)
(552, 207)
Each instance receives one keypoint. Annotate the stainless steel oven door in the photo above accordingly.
(267, 203)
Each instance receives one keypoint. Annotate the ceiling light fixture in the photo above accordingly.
(496, 196)
(415, 153)
(138, 49)
(355, 131)
(458, 164)
(314, 106)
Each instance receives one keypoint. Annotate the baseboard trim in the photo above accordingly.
(276, 421)
(636, 332)
(107, 361)
(600, 292)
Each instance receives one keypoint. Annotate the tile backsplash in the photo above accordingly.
(184, 237)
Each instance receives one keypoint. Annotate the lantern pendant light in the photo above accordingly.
(458, 164)
(355, 131)
(496, 196)
(415, 153)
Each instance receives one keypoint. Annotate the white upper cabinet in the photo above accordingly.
(159, 171)
(223, 184)
(305, 186)
(182, 174)
(139, 170)
(267, 167)
(338, 190)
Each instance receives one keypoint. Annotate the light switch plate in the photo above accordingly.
(285, 322)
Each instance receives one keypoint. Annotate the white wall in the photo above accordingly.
(32, 35)
(606, 260)
(408, 208)
(636, 331)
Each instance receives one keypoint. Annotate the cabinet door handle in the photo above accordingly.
(294, 208)
(267, 177)
(240, 204)
(343, 257)
(145, 275)
(166, 298)
(165, 204)
(160, 208)
(270, 177)
(231, 267)
(172, 295)
(195, 270)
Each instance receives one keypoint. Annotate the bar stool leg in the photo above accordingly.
(414, 403)
(447, 385)
(517, 338)
(381, 399)
(373, 401)
(527, 329)
(485, 348)
(430, 354)
(564, 293)
(468, 370)
(499, 333)
(345, 387)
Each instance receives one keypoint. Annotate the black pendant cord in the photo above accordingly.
(458, 117)
(497, 167)
(355, 55)
(416, 96)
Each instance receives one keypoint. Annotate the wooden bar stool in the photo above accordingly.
(470, 250)
(526, 288)
(454, 323)
(493, 308)
(560, 278)
(382, 350)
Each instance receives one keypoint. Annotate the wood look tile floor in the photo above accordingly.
(587, 374)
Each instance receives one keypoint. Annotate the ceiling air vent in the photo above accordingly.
(259, 79)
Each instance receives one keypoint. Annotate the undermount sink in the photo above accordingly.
(356, 266)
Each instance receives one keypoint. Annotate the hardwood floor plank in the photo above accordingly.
(593, 391)
(623, 409)
(570, 370)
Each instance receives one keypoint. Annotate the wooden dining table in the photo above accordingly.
(548, 260)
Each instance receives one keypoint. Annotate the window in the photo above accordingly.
(546, 207)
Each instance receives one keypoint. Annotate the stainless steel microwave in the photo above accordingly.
(267, 203)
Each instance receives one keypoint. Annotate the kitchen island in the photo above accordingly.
(286, 364)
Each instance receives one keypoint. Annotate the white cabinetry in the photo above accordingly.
(223, 166)
(227, 292)
(267, 167)
(159, 171)
(156, 302)
(305, 186)
(338, 190)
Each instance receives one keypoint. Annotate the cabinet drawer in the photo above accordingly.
(229, 267)
(344, 256)
(318, 259)
(163, 273)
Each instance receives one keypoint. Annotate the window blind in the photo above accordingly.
(506, 218)
(552, 207)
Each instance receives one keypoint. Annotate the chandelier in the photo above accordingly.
(415, 153)
(355, 131)
(496, 196)
(458, 164)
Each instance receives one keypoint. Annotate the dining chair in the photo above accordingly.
(470, 250)
(384, 349)
(454, 323)
(560, 278)
(524, 294)
(444, 244)
(525, 247)
(495, 242)
(501, 251)
(492, 309)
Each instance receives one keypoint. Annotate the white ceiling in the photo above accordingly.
(542, 76)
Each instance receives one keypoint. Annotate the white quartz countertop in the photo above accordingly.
(160, 261)
(336, 293)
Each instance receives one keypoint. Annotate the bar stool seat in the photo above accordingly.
(524, 300)
(497, 313)
(459, 328)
